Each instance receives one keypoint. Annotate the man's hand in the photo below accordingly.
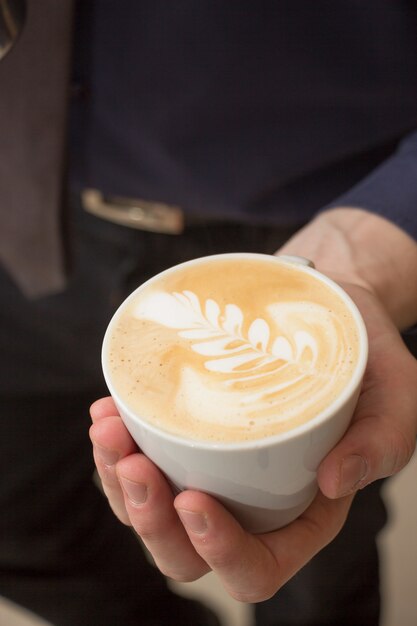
(192, 533)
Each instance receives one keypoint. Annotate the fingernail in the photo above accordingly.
(108, 457)
(352, 472)
(196, 522)
(136, 492)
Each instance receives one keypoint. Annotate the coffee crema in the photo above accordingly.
(228, 349)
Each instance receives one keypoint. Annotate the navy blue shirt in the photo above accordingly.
(265, 111)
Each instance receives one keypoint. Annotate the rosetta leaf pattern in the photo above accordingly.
(253, 372)
(218, 335)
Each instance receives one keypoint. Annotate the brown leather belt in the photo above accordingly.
(156, 217)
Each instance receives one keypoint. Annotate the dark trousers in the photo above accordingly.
(63, 554)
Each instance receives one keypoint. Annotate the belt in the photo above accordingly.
(156, 217)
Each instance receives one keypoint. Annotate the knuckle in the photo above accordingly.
(400, 450)
(226, 556)
(259, 578)
(107, 476)
(221, 561)
(255, 594)
(148, 535)
(179, 577)
(244, 597)
(181, 571)
(218, 562)
(151, 532)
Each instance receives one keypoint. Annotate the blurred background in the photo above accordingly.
(399, 560)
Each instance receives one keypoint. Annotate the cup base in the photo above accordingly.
(259, 520)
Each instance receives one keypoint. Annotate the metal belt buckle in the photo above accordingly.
(134, 213)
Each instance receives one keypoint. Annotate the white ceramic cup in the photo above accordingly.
(265, 483)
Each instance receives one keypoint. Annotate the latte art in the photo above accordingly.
(260, 370)
(198, 364)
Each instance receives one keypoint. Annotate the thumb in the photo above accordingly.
(382, 435)
(373, 448)
(381, 438)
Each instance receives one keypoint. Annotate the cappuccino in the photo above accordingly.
(232, 348)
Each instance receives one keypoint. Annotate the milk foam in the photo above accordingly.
(214, 368)
(272, 367)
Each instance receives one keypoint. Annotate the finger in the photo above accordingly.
(103, 408)
(252, 568)
(111, 442)
(381, 439)
(246, 568)
(149, 503)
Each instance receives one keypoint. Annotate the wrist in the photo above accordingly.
(354, 246)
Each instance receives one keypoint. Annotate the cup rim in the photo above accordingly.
(323, 416)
